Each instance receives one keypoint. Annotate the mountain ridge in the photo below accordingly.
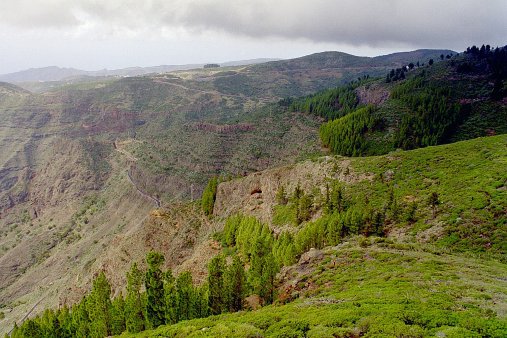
(56, 73)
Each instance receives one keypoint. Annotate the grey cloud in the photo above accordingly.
(354, 22)
(35, 14)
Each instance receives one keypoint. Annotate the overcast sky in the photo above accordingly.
(96, 34)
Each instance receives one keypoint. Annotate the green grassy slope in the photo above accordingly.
(440, 275)
(375, 290)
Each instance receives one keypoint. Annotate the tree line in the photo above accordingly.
(329, 104)
(98, 314)
(156, 297)
(346, 135)
(432, 113)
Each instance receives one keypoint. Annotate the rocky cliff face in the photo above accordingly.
(255, 194)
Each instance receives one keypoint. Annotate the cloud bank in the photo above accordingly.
(353, 22)
(94, 34)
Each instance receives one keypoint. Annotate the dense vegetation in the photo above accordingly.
(432, 114)
(377, 286)
(427, 105)
(452, 197)
(208, 196)
(372, 289)
(346, 135)
(329, 104)
(412, 190)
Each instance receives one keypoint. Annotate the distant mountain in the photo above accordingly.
(54, 73)
(333, 59)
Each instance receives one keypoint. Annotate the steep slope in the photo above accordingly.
(423, 279)
(425, 267)
(460, 97)
(371, 290)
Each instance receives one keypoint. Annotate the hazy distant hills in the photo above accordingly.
(54, 73)
(322, 60)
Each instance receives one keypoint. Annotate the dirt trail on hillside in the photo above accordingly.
(118, 146)
(156, 200)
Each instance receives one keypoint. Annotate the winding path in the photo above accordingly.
(156, 200)
(132, 159)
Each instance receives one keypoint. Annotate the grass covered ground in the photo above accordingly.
(470, 178)
(441, 274)
(368, 289)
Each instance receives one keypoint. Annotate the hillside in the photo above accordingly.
(428, 275)
(416, 105)
(83, 164)
(364, 247)
(372, 289)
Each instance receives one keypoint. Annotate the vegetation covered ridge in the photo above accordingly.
(413, 226)
(416, 105)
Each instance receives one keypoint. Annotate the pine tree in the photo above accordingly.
(30, 329)
(208, 196)
(281, 198)
(201, 301)
(185, 296)
(118, 315)
(66, 323)
(154, 283)
(171, 299)
(216, 285)
(99, 307)
(268, 279)
(81, 319)
(134, 315)
(235, 285)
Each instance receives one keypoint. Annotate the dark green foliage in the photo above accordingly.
(346, 135)
(284, 250)
(99, 307)
(335, 199)
(94, 316)
(154, 283)
(432, 114)
(329, 104)
(134, 305)
(217, 293)
(398, 74)
(235, 285)
(81, 319)
(118, 315)
(296, 209)
(171, 298)
(187, 305)
(456, 99)
(230, 230)
(254, 241)
(208, 196)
